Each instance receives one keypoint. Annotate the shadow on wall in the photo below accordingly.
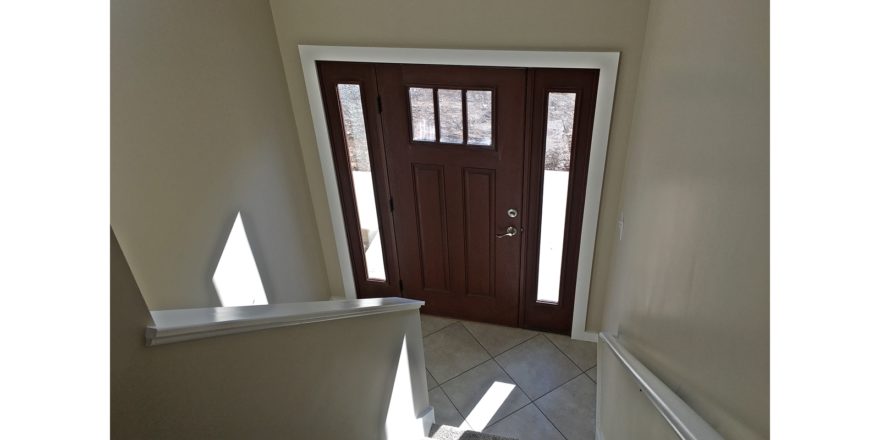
(347, 378)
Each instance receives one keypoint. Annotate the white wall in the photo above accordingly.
(689, 286)
(328, 380)
(202, 128)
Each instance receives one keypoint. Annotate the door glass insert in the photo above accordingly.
(421, 109)
(463, 116)
(353, 125)
(479, 115)
(554, 196)
(451, 119)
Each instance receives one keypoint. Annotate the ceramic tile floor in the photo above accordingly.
(510, 382)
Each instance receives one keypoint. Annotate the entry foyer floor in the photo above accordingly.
(509, 382)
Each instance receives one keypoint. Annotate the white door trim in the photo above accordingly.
(606, 62)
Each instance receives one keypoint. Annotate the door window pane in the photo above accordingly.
(557, 162)
(479, 115)
(451, 119)
(362, 177)
(421, 108)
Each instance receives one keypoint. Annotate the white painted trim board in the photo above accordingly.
(179, 325)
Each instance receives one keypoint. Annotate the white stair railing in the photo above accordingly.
(680, 416)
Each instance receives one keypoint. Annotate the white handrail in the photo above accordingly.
(683, 419)
(187, 324)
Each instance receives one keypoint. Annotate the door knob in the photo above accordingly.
(509, 232)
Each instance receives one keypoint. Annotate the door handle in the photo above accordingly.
(510, 232)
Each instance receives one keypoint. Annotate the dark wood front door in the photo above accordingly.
(463, 186)
(454, 142)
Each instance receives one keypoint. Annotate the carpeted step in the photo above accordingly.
(444, 432)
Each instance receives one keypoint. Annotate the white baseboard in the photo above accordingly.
(427, 419)
(585, 336)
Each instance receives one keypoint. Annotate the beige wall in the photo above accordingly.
(328, 380)
(626, 414)
(466, 24)
(201, 128)
(689, 289)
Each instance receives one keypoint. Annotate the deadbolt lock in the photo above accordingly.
(512, 213)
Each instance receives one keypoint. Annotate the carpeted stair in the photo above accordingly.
(449, 433)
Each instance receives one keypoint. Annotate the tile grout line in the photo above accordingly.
(506, 372)
(463, 372)
(463, 420)
(548, 392)
(596, 381)
(560, 386)
(548, 418)
(493, 358)
(569, 357)
(505, 351)
(511, 377)
(535, 401)
(441, 328)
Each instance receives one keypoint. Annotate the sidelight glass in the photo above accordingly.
(421, 109)
(451, 119)
(479, 115)
(354, 127)
(554, 197)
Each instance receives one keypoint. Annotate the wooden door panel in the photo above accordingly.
(439, 204)
(479, 183)
(430, 201)
(479, 226)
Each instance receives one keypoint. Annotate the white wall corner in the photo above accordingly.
(585, 336)
(427, 419)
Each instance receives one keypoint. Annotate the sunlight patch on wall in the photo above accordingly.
(401, 421)
(236, 278)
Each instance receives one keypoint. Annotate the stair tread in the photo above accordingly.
(443, 432)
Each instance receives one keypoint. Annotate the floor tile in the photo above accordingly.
(538, 366)
(431, 382)
(452, 351)
(583, 353)
(593, 373)
(444, 412)
(572, 408)
(485, 395)
(495, 338)
(526, 424)
(431, 324)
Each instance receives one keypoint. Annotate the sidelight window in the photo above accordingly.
(557, 162)
(354, 127)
